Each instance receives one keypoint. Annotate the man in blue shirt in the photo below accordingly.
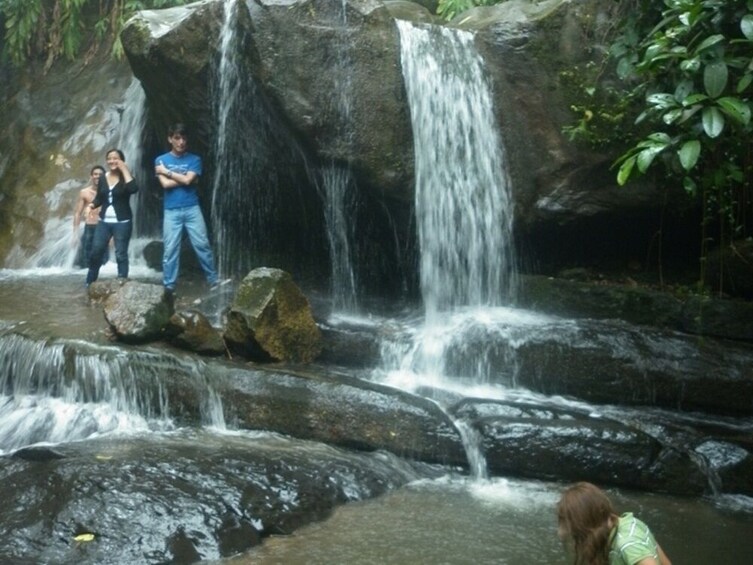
(178, 172)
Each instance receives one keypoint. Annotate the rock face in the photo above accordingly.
(270, 318)
(329, 74)
(138, 312)
(192, 331)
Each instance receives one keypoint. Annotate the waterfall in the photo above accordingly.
(246, 158)
(338, 195)
(226, 173)
(464, 220)
(463, 205)
(338, 187)
(55, 249)
(50, 394)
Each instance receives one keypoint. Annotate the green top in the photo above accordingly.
(630, 541)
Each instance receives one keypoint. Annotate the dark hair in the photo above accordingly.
(96, 167)
(122, 158)
(118, 151)
(586, 516)
(179, 128)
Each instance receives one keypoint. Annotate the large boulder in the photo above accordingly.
(270, 319)
(138, 312)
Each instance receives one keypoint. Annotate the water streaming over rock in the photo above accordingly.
(227, 87)
(463, 206)
(51, 393)
(338, 188)
(55, 250)
(463, 210)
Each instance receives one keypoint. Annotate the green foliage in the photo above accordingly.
(37, 29)
(21, 17)
(448, 9)
(603, 113)
(695, 67)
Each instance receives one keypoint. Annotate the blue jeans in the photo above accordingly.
(121, 233)
(83, 257)
(191, 218)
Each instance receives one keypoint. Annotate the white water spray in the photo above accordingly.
(463, 204)
(228, 86)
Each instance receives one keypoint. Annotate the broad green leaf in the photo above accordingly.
(653, 51)
(646, 157)
(624, 68)
(710, 41)
(746, 26)
(689, 153)
(744, 82)
(662, 100)
(625, 169)
(713, 121)
(691, 65)
(715, 78)
(660, 137)
(689, 185)
(683, 90)
(694, 99)
(672, 116)
(735, 109)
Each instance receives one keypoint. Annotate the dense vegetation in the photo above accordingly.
(50, 29)
(691, 64)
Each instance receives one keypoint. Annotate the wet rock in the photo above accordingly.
(37, 454)
(138, 312)
(555, 444)
(730, 270)
(731, 464)
(344, 412)
(318, 405)
(609, 362)
(192, 331)
(702, 315)
(270, 318)
(177, 499)
(349, 347)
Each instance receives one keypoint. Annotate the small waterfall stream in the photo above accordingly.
(463, 208)
(338, 190)
(55, 249)
(227, 84)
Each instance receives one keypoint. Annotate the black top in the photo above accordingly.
(121, 194)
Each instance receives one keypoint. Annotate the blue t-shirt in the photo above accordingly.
(181, 196)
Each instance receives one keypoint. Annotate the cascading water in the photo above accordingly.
(227, 85)
(55, 249)
(463, 211)
(463, 205)
(338, 186)
(338, 195)
(49, 395)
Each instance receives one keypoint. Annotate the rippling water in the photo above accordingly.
(456, 521)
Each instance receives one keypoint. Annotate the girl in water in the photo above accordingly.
(588, 523)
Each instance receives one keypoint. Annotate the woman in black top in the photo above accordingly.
(115, 217)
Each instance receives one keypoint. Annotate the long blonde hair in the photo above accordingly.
(585, 516)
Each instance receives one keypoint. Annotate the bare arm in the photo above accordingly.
(663, 559)
(80, 205)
